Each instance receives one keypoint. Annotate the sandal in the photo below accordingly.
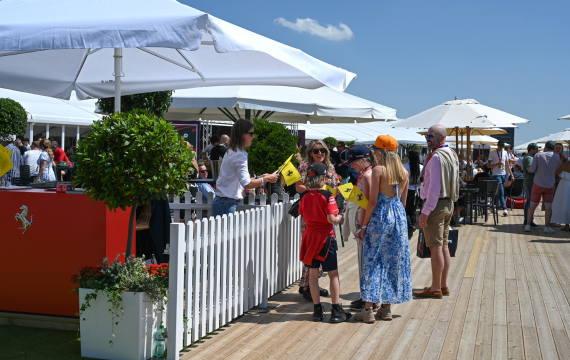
(565, 228)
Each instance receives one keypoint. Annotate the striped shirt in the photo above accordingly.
(16, 159)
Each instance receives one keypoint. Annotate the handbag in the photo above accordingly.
(422, 251)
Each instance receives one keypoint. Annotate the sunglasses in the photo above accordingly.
(429, 136)
(322, 151)
(203, 171)
(252, 133)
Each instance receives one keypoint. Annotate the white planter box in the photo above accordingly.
(133, 335)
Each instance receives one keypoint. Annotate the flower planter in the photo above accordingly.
(133, 338)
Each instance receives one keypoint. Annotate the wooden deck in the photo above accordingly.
(510, 295)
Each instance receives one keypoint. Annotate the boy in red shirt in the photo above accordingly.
(318, 247)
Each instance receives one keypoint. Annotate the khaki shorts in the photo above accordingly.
(437, 229)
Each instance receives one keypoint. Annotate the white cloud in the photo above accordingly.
(330, 32)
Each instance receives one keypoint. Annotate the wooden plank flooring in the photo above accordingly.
(510, 299)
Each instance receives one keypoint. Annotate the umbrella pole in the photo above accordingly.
(118, 71)
(457, 140)
(468, 154)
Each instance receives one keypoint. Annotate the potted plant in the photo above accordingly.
(121, 308)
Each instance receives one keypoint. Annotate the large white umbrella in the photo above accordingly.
(524, 147)
(562, 136)
(279, 103)
(567, 117)
(479, 140)
(108, 48)
(462, 114)
(362, 133)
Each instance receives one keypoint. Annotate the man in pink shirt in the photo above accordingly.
(440, 191)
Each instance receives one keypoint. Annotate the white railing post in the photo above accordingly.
(175, 314)
(188, 331)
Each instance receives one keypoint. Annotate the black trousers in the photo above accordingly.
(412, 205)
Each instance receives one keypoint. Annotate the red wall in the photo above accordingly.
(68, 232)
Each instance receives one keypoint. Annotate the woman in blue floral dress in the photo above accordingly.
(386, 274)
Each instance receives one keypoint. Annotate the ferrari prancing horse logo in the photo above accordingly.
(22, 216)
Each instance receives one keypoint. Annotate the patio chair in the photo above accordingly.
(143, 219)
(486, 198)
(517, 185)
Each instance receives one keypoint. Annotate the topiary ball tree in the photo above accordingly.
(272, 145)
(331, 140)
(129, 159)
(13, 117)
(156, 103)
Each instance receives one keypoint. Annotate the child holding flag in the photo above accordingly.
(318, 247)
(317, 152)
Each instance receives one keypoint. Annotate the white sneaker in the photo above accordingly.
(505, 213)
(527, 228)
(549, 230)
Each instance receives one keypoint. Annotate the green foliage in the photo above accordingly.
(348, 143)
(272, 145)
(156, 103)
(331, 140)
(13, 117)
(132, 158)
(409, 147)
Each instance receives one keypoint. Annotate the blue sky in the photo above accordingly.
(414, 55)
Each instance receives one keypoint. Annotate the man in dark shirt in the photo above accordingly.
(218, 151)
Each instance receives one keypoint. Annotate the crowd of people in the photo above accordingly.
(41, 157)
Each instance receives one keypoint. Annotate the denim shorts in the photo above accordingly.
(330, 262)
(224, 206)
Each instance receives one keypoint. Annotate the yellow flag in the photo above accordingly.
(330, 189)
(356, 196)
(5, 160)
(290, 174)
(346, 189)
(285, 164)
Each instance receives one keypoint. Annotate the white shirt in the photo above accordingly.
(31, 158)
(410, 186)
(494, 157)
(234, 175)
(519, 162)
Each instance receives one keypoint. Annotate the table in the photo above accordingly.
(470, 192)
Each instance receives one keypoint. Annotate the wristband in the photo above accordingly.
(357, 232)
(364, 227)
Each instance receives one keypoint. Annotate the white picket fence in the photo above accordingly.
(222, 267)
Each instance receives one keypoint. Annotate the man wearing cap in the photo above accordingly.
(440, 191)
(358, 158)
(528, 181)
(544, 167)
(16, 158)
(500, 164)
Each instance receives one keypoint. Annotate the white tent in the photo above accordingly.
(47, 110)
(279, 103)
(108, 48)
(50, 117)
(362, 133)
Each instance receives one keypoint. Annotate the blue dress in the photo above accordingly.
(387, 274)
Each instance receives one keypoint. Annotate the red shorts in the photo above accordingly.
(538, 192)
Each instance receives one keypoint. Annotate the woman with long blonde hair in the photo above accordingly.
(386, 273)
(45, 162)
(317, 152)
